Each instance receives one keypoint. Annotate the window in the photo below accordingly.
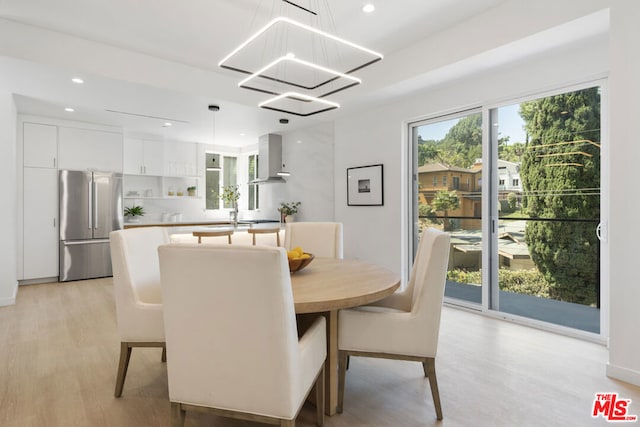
(501, 183)
(515, 182)
(253, 189)
(229, 174)
(435, 181)
(212, 182)
(455, 144)
(216, 179)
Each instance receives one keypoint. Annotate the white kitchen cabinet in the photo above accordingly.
(40, 215)
(89, 149)
(143, 157)
(40, 145)
(181, 159)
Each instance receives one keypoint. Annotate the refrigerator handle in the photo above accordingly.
(95, 205)
(90, 198)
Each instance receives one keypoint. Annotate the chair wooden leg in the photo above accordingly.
(177, 415)
(287, 423)
(163, 358)
(429, 366)
(319, 387)
(123, 365)
(343, 358)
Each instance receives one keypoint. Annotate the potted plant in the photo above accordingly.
(288, 209)
(230, 195)
(191, 191)
(132, 212)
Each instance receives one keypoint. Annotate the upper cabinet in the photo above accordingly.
(40, 145)
(143, 157)
(88, 149)
(181, 159)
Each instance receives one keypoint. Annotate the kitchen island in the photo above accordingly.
(205, 223)
(182, 232)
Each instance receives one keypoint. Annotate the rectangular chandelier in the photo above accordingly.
(303, 63)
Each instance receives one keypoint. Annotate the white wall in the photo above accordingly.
(309, 155)
(8, 215)
(379, 136)
(624, 353)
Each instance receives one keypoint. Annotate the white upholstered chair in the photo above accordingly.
(405, 325)
(137, 292)
(322, 239)
(232, 341)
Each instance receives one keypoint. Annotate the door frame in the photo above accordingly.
(490, 213)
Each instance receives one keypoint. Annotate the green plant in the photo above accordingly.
(289, 208)
(230, 194)
(192, 188)
(134, 211)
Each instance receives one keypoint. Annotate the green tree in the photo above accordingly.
(560, 170)
(462, 145)
(512, 199)
(445, 201)
(427, 152)
(512, 152)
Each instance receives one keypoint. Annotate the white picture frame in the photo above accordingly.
(365, 186)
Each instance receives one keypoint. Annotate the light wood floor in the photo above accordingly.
(59, 351)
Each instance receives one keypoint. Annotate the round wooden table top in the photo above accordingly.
(329, 284)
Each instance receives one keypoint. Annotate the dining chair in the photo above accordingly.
(137, 293)
(323, 239)
(232, 340)
(404, 325)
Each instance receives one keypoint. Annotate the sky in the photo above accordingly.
(509, 121)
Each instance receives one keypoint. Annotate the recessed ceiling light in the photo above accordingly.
(167, 125)
(77, 80)
(69, 110)
(368, 8)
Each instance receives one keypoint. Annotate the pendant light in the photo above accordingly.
(213, 160)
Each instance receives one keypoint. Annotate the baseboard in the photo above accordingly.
(38, 281)
(10, 300)
(623, 374)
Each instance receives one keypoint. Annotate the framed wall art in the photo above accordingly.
(364, 186)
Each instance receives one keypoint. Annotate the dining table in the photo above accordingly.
(327, 285)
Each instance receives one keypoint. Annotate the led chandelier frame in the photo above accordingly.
(377, 56)
(295, 96)
(245, 84)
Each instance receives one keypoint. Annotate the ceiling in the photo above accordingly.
(109, 44)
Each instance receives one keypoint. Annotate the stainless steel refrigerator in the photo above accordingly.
(90, 208)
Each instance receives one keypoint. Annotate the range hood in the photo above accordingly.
(269, 159)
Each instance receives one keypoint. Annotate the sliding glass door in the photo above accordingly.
(448, 195)
(531, 251)
(548, 191)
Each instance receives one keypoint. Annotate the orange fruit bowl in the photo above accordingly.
(300, 263)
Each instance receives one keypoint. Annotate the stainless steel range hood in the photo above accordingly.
(269, 159)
